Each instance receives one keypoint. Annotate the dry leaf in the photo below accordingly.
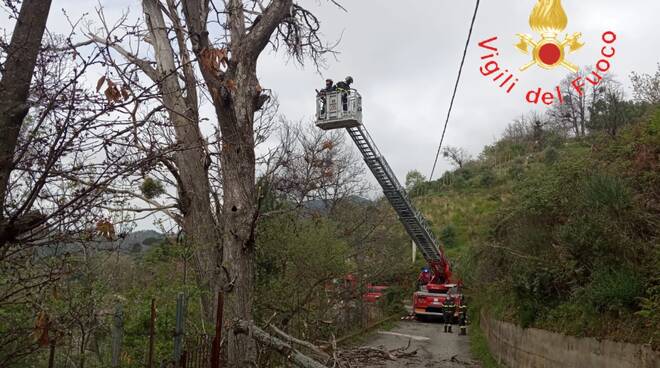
(112, 93)
(125, 92)
(40, 332)
(99, 84)
(106, 229)
(212, 59)
(328, 145)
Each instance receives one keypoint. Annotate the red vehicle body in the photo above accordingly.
(349, 283)
(439, 297)
(374, 293)
(439, 300)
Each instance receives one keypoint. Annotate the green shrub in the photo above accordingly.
(571, 317)
(448, 236)
(650, 308)
(550, 156)
(528, 312)
(554, 140)
(607, 192)
(393, 300)
(615, 289)
(487, 179)
(517, 169)
(653, 127)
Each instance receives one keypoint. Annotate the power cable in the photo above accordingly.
(453, 96)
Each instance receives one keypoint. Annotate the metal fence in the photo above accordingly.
(197, 354)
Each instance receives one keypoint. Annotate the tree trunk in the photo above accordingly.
(239, 213)
(15, 87)
(191, 161)
(235, 93)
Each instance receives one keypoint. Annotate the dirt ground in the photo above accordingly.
(435, 348)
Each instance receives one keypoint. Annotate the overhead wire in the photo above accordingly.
(453, 96)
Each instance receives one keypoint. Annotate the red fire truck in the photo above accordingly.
(440, 297)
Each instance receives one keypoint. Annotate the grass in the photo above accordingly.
(479, 345)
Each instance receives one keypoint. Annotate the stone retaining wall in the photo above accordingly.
(516, 347)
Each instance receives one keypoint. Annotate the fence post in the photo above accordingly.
(179, 328)
(184, 359)
(152, 327)
(217, 340)
(117, 331)
(51, 354)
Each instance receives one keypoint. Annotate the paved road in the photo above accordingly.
(435, 348)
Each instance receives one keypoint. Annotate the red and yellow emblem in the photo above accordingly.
(549, 19)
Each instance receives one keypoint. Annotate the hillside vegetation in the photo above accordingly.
(560, 231)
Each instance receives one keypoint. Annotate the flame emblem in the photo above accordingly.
(549, 19)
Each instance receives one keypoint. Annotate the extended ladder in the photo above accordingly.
(336, 110)
(411, 218)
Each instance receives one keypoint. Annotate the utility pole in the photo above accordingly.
(414, 251)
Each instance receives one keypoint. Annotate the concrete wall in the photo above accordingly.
(516, 347)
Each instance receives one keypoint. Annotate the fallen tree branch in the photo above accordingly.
(294, 356)
(371, 356)
(292, 340)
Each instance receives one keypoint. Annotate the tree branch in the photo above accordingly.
(144, 65)
(272, 16)
(296, 357)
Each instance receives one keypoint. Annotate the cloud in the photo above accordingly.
(404, 57)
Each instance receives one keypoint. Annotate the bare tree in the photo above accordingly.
(228, 67)
(610, 111)
(413, 179)
(312, 164)
(187, 168)
(458, 156)
(646, 87)
(69, 148)
(573, 114)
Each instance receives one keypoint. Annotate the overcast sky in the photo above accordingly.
(404, 56)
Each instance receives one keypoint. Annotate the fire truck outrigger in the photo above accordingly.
(440, 297)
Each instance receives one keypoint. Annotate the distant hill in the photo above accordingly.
(135, 243)
(323, 206)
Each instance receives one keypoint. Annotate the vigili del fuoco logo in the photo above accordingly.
(549, 49)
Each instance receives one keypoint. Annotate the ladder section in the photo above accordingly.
(410, 217)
